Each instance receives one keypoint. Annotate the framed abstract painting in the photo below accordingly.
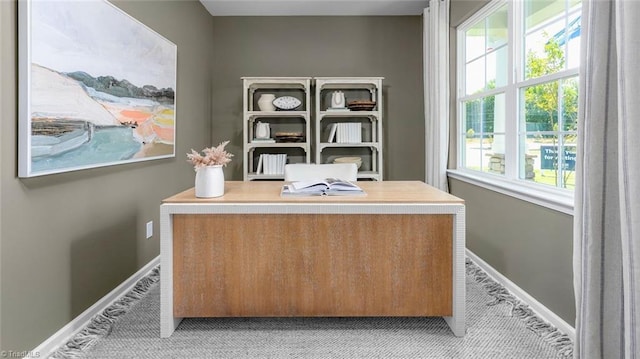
(96, 88)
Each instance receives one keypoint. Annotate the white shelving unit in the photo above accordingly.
(297, 120)
(370, 146)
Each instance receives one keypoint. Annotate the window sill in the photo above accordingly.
(556, 199)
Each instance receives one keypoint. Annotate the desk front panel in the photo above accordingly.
(237, 265)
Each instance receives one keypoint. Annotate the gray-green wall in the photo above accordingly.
(69, 239)
(529, 244)
(388, 46)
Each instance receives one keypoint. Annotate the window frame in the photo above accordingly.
(509, 183)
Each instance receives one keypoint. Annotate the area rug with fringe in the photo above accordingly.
(499, 325)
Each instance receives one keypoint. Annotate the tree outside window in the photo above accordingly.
(518, 106)
(550, 115)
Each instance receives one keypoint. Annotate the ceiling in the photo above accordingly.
(314, 7)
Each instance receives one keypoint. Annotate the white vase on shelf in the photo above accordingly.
(263, 130)
(265, 102)
(209, 182)
(337, 99)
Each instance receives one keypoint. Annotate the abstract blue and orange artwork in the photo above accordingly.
(97, 88)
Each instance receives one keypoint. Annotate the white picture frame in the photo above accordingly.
(96, 88)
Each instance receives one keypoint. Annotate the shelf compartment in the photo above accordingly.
(368, 128)
(336, 113)
(280, 124)
(256, 114)
(350, 94)
(339, 83)
(369, 157)
(302, 145)
(276, 82)
(374, 145)
(295, 154)
(254, 96)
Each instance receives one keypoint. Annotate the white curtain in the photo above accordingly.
(607, 208)
(436, 92)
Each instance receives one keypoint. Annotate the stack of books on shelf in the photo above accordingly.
(271, 164)
(345, 132)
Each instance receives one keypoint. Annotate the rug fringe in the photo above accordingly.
(558, 340)
(102, 324)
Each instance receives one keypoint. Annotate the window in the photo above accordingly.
(518, 64)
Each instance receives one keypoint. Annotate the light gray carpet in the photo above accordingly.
(498, 326)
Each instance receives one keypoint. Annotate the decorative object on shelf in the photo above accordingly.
(355, 159)
(265, 102)
(337, 100)
(361, 105)
(289, 137)
(287, 103)
(209, 175)
(263, 131)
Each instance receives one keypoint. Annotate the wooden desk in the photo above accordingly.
(399, 251)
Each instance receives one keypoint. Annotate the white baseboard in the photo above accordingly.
(63, 335)
(536, 306)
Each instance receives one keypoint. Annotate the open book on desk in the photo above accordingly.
(325, 187)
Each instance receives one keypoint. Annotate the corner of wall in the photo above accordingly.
(2, 14)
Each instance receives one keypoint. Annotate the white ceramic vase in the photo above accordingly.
(265, 102)
(209, 182)
(262, 130)
(337, 99)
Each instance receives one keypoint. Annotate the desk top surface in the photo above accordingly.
(269, 192)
